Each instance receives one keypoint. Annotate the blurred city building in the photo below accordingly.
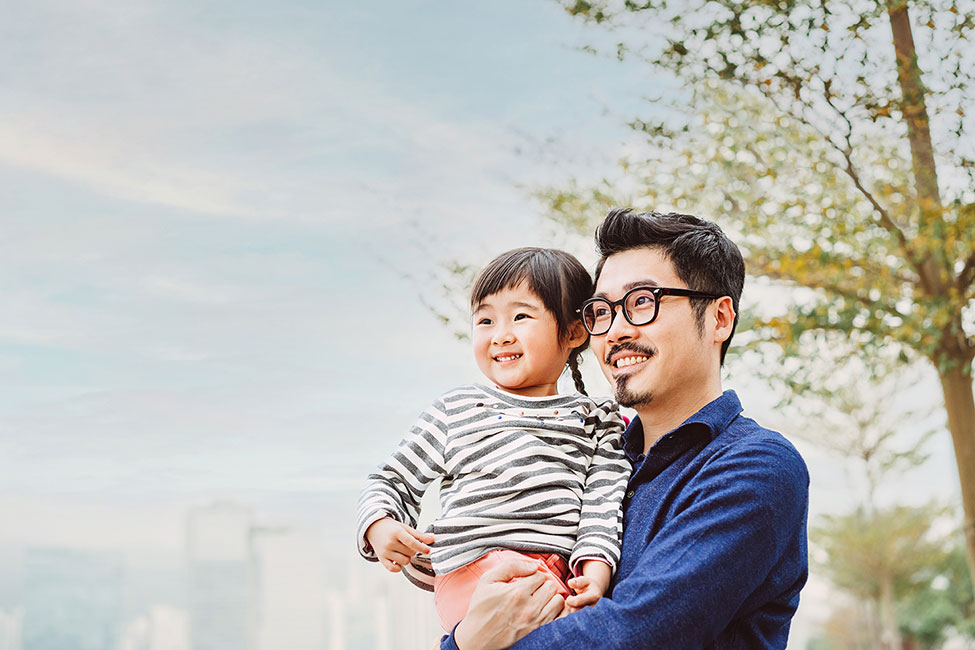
(237, 584)
(11, 627)
(72, 599)
(369, 608)
(163, 628)
(221, 580)
(289, 567)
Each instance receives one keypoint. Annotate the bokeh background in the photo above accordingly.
(234, 245)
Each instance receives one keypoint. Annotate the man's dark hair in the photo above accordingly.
(703, 256)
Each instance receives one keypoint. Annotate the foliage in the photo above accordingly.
(777, 183)
(865, 547)
(834, 139)
(945, 604)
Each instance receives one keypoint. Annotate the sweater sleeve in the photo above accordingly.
(395, 489)
(601, 519)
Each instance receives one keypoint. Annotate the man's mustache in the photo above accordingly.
(630, 347)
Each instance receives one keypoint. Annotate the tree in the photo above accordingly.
(832, 137)
(863, 409)
(943, 604)
(881, 556)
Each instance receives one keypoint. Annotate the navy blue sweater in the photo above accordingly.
(714, 542)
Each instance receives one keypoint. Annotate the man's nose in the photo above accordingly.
(620, 328)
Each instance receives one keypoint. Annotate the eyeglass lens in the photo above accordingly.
(640, 306)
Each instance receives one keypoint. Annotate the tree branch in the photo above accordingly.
(849, 294)
(967, 275)
(886, 220)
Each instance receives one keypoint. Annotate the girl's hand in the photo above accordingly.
(589, 587)
(585, 594)
(396, 543)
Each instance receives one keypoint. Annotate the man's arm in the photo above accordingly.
(703, 565)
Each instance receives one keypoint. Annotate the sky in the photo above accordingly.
(221, 224)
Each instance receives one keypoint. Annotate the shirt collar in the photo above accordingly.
(716, 416)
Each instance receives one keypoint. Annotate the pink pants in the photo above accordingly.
(452, 592)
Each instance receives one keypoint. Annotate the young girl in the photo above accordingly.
(525, 470)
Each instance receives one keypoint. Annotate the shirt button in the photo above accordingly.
(629, 495)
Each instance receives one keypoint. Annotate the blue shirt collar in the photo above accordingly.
(716, 416)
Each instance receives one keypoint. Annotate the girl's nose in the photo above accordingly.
(503, 337)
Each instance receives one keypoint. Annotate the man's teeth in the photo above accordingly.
(507, 357)
(629, 361)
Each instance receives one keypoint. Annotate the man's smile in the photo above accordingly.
(623, 362)
(628, 355)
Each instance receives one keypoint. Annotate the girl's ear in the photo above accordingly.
(577, 335)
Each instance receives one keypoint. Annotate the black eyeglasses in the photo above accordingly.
(640, 307)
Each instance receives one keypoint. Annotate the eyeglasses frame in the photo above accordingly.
(657, 292)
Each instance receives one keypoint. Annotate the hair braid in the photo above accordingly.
(574, 361)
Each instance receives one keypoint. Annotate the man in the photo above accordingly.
(714, 543)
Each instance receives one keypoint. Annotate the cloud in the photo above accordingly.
(250, 124)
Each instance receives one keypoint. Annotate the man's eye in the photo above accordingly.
(640, 301)
(601, 312)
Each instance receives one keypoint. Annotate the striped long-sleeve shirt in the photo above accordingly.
(531, 474)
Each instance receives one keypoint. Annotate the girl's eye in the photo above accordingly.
(520, 316)
(484, 321)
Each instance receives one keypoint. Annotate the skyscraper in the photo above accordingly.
(72, 599)
(222, 594)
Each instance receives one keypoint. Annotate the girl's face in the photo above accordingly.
(516, 342)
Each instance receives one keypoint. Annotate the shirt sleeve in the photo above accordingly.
(744, 517)
(601, 518)
(395, 489)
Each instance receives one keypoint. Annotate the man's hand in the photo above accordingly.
(396, 543)
(589, 587)
(510, 600)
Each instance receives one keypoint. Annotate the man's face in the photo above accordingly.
(650, 362)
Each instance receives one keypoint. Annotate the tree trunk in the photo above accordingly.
(931, 265)
(955, 357)
(890, 632)
(960, 404)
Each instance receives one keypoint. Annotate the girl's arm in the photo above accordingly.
(395, 489)
(601, 518)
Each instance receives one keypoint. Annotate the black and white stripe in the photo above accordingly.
(542, 474)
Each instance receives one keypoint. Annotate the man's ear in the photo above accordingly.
(724, 319)
(577, 335)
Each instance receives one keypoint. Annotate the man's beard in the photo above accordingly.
(624, 395)
(627, 397)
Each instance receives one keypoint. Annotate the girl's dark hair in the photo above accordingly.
(555, 276)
